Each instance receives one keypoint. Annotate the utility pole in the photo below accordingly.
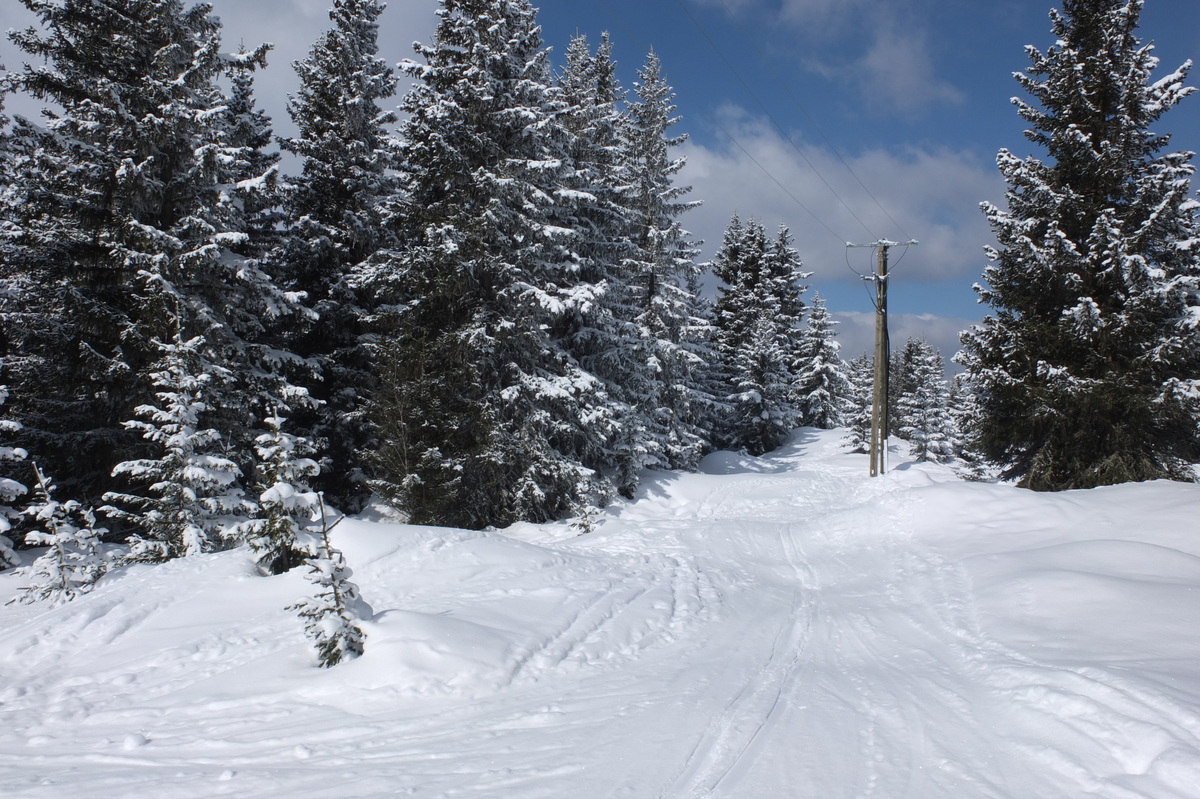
(879, 401)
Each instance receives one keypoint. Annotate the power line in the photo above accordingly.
(788, 89)
(783, 131)
(775, 180)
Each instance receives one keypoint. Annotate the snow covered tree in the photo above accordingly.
(336, 212)
(764, 415)
(786, 281)
(8, 198)
(1087, 373)
(750, 359)
(822, 391)
(601, 333)
(261, 311)
(285, 501)
(923, 415)
(738, 265)
(191, 490)
(492, 415)
(331, 617)
(251, 311)
(252, 187)
(860, 372)
(10, 489)
(757, 343)
(133, 199)
(660, 270)
(964, 409)
(73, 561)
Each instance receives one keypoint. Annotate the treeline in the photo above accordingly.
(486, 308)
(482, 309)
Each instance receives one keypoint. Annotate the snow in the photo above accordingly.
(774, 626)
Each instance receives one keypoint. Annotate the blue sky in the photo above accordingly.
(847, 120)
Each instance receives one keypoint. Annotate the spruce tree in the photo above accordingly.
(662, 271)
(860, 372)
(964, 409)
(746, 349)
(261, 310)
(8, 198)
(490, 410)
(285, 501)
(822, 391)
(923, 413)
(758, 343)
(602, 332)
(131, 216)
(73, 561)
(1087, 370)
(336, 214)
(902, 380)
(332, 615)
(10, 489)
(787, 283)
(761, 389)
(252, 186)
(189, 491)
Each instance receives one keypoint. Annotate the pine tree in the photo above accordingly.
(902, 380)
(964, 409)
(786, 282)
(10, 489)
(8, 198)
(336, 213)
(660, 270)
(285, 501)
(823, 394)
(602, 333)
(757, 343)
(761, 389)
(749, 364)
(252, 186)
(260, 312)
(1087, 371)
(860, 372)
(738, 265)
(489, 408)
(331, 617)
(73, 561)
(131, 215)
(923, 416)
(191, 490)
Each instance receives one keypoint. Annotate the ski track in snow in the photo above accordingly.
(776, 626)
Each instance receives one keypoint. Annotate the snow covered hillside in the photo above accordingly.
(781, 626)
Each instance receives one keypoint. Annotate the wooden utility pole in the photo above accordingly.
(879, 400)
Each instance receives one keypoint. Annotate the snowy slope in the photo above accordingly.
(777, 626)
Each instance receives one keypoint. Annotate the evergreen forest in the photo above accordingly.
(480, 302)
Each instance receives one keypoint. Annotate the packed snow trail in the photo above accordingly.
(776, 626)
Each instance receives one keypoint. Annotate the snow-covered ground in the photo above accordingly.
(772, 627)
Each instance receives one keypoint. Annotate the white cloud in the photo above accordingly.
(290, 25)
(838, 12)
(897, 72)
(932, 195)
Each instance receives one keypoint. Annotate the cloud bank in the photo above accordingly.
(930, 194)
